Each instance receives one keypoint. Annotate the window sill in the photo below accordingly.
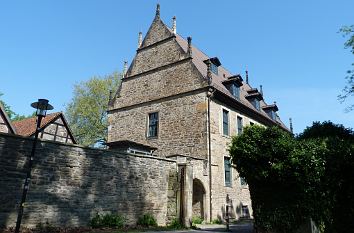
(151, 138)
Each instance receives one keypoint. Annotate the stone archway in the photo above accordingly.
(198, 199)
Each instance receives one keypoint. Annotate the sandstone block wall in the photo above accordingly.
(70, 184)
(238, 194)
(182, 125)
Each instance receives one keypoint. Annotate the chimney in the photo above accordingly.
(125, 69)
(291, 125)
(157, 15)
(174, 25)
(189, 51)
(247, 76)
(261, 89)
(140, 39)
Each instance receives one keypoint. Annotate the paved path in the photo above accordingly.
(239, 228)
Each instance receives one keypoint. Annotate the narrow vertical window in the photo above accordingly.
(227, 168)
(256, 104)
(153, 124)
(225, 122)
(239, 125)
(243, 181)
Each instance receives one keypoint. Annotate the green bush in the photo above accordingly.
(196, 220)
(108, 220)
(147, 220)
(176, 224)
(216, 221)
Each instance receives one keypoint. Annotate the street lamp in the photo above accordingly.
(41, 106)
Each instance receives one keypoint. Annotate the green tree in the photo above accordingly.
(292, 179)
(87, 111)
(7, 108)
(348, 31)
(12, 115)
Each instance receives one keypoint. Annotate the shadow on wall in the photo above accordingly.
(234, 213)
(70, 184)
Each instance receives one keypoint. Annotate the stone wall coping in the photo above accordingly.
(4, 135)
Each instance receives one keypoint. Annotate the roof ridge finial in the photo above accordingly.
(174, 25)
(291, 124)
(125, 69)
(157, 10)
(246, 76)
(209, 75)
(261, 89)
(189, 51)
(140, 39)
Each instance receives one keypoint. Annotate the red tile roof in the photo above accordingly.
(27, 127)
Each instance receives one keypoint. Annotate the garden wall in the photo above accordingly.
(70, 184)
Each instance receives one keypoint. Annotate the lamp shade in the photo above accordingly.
(42, 105)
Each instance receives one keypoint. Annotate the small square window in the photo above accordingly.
(153, 124)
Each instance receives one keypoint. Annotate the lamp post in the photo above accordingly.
(41, 110)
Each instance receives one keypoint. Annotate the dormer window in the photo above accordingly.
(271, 111)
(255, 103)
(233, 84)
(235, 91)
(214, 68)
(254, 96)
(214, 64)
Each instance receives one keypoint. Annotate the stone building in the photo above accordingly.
(53, 127)
(185, 104)
(5, 122)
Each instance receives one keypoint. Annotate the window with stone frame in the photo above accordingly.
(227, 171)
(153, 124)
(243, 181)
(225, 122)
(239, 125)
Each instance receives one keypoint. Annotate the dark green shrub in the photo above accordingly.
(108, 220)
(147, 220)
(216, 221)
(196, 220)
(176, 224)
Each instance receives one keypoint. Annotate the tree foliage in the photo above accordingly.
(86, 113)
(294, 179)
(12, 115)
(348, 31)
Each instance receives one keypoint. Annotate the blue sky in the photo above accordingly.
(292, 48)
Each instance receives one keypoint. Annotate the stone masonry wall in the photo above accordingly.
(70, 184)
(182, 125)
(238, 194)
(173, 80)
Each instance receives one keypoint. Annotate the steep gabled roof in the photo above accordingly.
(7, 120)
(218, 79)
(27, 127)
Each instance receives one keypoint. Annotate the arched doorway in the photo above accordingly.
(198, 199)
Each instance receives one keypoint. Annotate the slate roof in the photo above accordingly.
(223, 74)
(7, 119)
